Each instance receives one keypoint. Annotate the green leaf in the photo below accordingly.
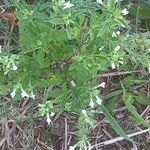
(115, 124)
(142, 11)
(57, 21)
(142, 98)
(133, 111)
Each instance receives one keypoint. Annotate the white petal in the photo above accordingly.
(91, 104)
(114, 34)
(118, 32)
(99, 101)
(32, 95)
(13, 93)
(73, 83)
(52, 114)
(48, 119)
(103, 84)
(125, 11)
(72, 147)
(24, 93)
(84, 112)
(101, 48)
(14, 66)
(113, 66)
(117, 48)
(68, 5)
(100, 2)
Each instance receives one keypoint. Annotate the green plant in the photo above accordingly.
(61, 50)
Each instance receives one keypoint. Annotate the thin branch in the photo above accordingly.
(117, 73)
(66, 134)
(112, 141)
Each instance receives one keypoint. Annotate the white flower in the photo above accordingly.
(13, 93)
(73, 83)
(24, 93)
(84, 112)
(0, 48)
(98, 100)
(32, 95)
(115, 34)
(113, 66)
(122, 25)
(52, 114)
(8, 65)
(117, 1)
(72, 147)
(102, 85)
(68, 5)
(101, 48)
(100, 2)
(118, 32)
(91, 104)
(48, 118)
(117, 48)
(14, 67)
(125, 11)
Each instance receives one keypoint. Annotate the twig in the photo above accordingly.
(66, 134)
(117, 73)
(145, 110)
(110, 136)
(112, 141)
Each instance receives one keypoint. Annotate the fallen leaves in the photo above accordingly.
(10, 17)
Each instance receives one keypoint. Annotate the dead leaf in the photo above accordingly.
(11, 17)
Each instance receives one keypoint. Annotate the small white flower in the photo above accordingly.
(24, 93)
(117, 48)
(98, 100)
(118, 32)
(91, 104)
(72, 147)
(32, 95)
(73, 83)
(0, 48)
(113, 66)
(14, 67)
(117, 1)
(114, 34)
(84, 112)
(48, 118)
(125, 11)
(8, 65)
(13, 93)
(123, 25)
(100, 2)
(52, 114)
(101, 48)
(68, 5)
(102, 85)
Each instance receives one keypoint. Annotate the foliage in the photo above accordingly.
(61, 51)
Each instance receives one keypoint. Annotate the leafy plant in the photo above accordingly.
(62, 48)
